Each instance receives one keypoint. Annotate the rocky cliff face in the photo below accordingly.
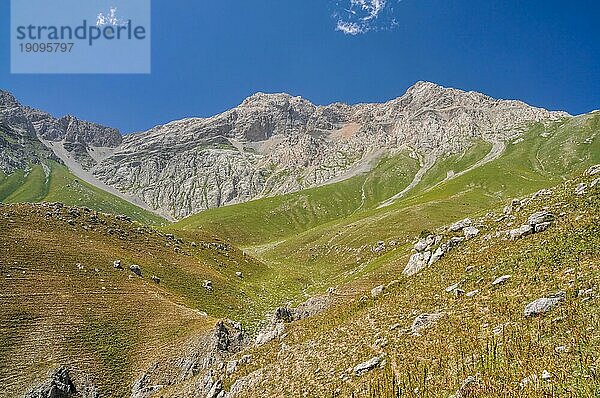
(19, 145)
(276, 143)
(270, 144)
(30, 136)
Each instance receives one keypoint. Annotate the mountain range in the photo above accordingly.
(443, 243)
(270, 144)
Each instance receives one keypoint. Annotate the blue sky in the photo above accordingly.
(207, 56)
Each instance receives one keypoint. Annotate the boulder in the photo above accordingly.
(544, 304)
(424, 244)
(581, 188)
(117, 264)
(542, 227)
(593, 170)
(425, 321)
(379, 247)
(500, 280)
(239, 274)
(540, 217)
(416, 263)
(155, 279)
(438, 253)
(455, 241)
(368, 365)
(459, 225)
(470, 232)
(207, 285)
(135, 269)
(377, 291)
(452, 288)
(520, 232)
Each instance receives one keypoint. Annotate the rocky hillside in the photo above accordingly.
(276, 143)
(501, 304)
(19, 145)
(30, 136)
(334, 294)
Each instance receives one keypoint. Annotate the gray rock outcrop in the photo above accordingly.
(544, 304)
(367, 365)
(58, 385)
(416, 263)
(459, 225)
(425, 321)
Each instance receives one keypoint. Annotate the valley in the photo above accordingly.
(272, 244)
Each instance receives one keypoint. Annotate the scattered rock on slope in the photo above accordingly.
(520, 232)
(581, 188)
(593, 170)
(470, 232)
(135, 269)
(377, 291)
(457, 226)
(368, 365)
(544, 304)
(425, 244)
(500, 280)
(425, 321)
(540, 217)
(417, 262)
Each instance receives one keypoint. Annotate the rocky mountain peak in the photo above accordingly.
(7, 99)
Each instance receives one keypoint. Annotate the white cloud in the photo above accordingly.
(349, 28)
(110, 18)
(354, 17)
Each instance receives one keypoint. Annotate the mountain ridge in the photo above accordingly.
(272, 144)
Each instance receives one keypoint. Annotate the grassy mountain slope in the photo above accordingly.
(63, 303)
(485, 336)
(52, 182)
(330, 252)
(272, 219)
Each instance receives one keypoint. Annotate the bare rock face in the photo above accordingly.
(30, 136)
(76, 138)
(275, 143)
(19, 145)
(270, 144)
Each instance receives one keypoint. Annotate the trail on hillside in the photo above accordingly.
(428, 162)
(497, 149)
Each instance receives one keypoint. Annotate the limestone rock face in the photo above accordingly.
(275, 143)
(19, 145)
(270, 144)
(30, 136)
